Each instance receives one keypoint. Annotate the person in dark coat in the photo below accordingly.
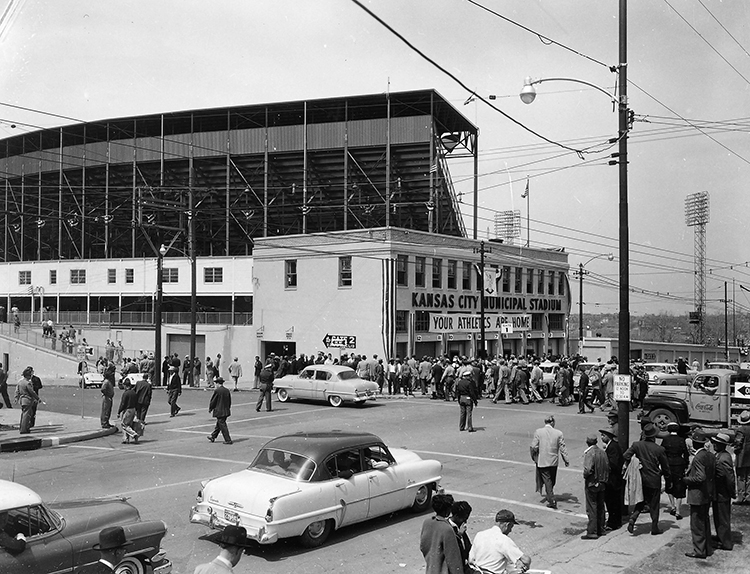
(595, 476)
(126, 412)
(143, 391)
(112, 547)
(725, 492)
(654, 465)
(174, 390)
(466, 393)
(613, 489)
(460, 513)
(108, 395)
(220, 406)
(701, 483)
(438, 541)
(742, 457)
(678, 457)
(36, 384)
(265, 387)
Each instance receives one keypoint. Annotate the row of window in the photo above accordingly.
(345, 272)
(422, 321)
(523, 280)
(168, 274)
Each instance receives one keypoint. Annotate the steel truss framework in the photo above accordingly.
(89, 190)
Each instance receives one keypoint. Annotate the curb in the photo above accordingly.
(17, 444)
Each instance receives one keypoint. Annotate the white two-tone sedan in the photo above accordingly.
(333, 383)
(309, 484)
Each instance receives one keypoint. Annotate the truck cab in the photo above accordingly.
(714, 398)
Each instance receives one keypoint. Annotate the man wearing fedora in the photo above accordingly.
(174, 390)
(742, 457)
(220, 405)
(233, 542)
(700, 480)
(725, 492)
(654, 465)
(613, 488)
(112, 547)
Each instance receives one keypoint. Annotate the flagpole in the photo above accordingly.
(528, 228)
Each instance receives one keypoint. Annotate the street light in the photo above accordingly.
(621, 160)
(581, 273)
(528, 93)
(157, 312)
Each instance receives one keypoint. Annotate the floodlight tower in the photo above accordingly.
(697, 215)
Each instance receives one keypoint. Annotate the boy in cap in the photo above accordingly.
(233, 542)
(701, 492)
(493, 550)
(725, 492)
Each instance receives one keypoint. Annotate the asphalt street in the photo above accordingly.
(491, 469)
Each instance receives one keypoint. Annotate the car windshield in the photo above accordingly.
(284, 463)
(347, 375)
(656, 368)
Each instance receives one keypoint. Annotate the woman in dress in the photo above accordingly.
(678, 457)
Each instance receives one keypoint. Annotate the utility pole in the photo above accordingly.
(482, 353)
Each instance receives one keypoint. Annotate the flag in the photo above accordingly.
(433, 167)
(525, 194)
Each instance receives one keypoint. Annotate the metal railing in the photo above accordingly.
(115, 318)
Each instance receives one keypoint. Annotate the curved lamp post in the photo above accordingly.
(157, 312)
(621, 160)
(581, 273)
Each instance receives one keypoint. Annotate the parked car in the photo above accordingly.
(132, 377)
(665, 374)
(60, 536)
(549, 371)
(91, 379)
(333, 383)
(309, 484)
(724, 365)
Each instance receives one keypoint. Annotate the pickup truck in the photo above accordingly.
(714, 398)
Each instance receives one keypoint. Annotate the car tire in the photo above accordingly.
(662, 417)
(543, 391)
(335, 400)
(131, 565)
(316, 533)
(422, 499)
(282, 395)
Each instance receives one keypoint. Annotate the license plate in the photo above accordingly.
(231, 516)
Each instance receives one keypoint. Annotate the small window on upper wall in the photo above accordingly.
(24, 277)
(170, 275)
(111, 275)
(129, 276)
(529, 281)
(551, 284)
(540, 282)
(466, 276)
(78, 276)
(561, 283)
(506, 279)
(345, 271)
(213, 275)
(518, 280)
(290, 273)
(437, 273)
(402, 270)
(53, 277)
(452, 272)
(419, 271)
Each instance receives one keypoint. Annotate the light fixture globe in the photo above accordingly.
(528, 93)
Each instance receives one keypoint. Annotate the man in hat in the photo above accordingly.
(493, 550)
(725, 492)
(266, 386)
(126, 412)
(700, 480)
(595, 476)
(220, 405)
(233, 542)
(613, 488)
(654, 465)
(466, 393)
(742, 457)
(174, 390)
(112, 547)
(546, 448)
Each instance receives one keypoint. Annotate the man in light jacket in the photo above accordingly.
(547, 447)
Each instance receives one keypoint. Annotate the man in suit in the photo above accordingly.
(595, 476)
(112, 547)
(725, 492)
(613, 488)
(144, 391)
(742, 457)
(460, 512)
(220, 405)
(466, 393)
(174, 390)
(700, 480)
(438, 541)
(233, 542)
(654, 465)
(547, 447)
(266, 386)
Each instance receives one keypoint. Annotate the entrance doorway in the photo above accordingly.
(279, 348)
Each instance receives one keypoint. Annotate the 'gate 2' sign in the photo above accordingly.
(344, 341)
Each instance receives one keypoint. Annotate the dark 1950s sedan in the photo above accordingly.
(60, 536)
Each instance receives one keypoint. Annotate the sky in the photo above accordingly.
(688, 85)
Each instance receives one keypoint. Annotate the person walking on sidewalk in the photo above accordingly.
(108, 395)
(174, 390)
(143, 391)
(654, 465)
(36, 384)
(725, 492)
(547, 447)
(235, 371)
(221, 408)
(595, 477)
(27, 398)
(701, 483)
(4, 398)
(266, 386)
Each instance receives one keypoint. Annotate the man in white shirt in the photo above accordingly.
(233, 541)
(493, 552)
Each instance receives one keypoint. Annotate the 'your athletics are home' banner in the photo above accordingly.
(464, 323)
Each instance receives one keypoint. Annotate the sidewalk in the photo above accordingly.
(51, 429)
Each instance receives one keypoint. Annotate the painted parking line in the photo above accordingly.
(264, 416)
(490, 459)
(530, 505)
